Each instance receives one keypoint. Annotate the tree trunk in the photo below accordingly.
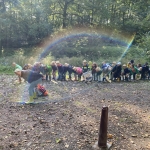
(65, 15)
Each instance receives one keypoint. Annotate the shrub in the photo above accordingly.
(74, 61)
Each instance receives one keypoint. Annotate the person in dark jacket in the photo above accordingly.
(94, 66)
(145, 71)
(68, 68)
(60, 71)
(85, 66)
(114, 66)
(39, 68)
(31, 77)
(117, 73)
(54, 70)
(126, 73)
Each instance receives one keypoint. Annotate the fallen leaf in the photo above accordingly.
(66, 145)
(134, 135)
(109, 136)
(58, 140)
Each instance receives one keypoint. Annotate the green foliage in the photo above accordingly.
(48, 59)
(145, 44)
(74, 61)
(6, 69)
(19, 58)
(136, 53)
(93, 49)
(107, 54)
(25, 24)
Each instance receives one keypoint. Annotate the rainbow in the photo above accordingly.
(69, 34)
(49, 43)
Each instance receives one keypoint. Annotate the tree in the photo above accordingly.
(145, 44)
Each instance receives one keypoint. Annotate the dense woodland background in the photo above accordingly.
(24, 24)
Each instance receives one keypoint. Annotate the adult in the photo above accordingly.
(31, 77)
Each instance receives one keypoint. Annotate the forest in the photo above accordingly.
(70, 31)
(25, 24)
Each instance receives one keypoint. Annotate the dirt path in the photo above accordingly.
(69, 118)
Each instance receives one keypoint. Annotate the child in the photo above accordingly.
(85, 68)
(36, 67)
(132, 62)
(106, 69)
(30, 66)
(25, 67)
(98, 74)
(134, 71)
(54, 70)
(17, 67)
(139, 67)
(94, 66)
(145, 71)
(126, 73)
(48, 70)
(78, 72)
(60, 71)
(114, 65)
(68, 68)
(117, 73)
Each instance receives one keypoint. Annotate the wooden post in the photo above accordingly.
(102, 136)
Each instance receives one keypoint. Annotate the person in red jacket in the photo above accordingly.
(78, 72)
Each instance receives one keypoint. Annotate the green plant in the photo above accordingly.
(6, 69)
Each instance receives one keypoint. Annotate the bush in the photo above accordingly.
(74, 61)
(47, 60)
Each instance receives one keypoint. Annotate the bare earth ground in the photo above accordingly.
(69, 118)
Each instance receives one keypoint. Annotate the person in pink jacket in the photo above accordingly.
(78, 73)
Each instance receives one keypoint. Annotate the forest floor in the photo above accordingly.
(69, 118)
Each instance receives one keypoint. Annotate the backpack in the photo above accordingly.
(41, 91)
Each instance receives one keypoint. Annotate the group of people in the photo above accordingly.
(89, 71)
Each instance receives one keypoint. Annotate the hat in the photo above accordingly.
(84, 61)
(17, 70)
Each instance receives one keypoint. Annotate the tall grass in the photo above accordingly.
(107, 54)
(6, 62)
